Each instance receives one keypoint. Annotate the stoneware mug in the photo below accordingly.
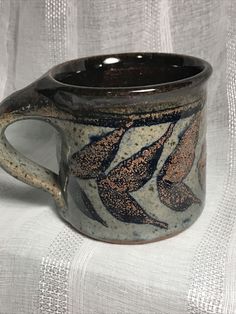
(132, 153)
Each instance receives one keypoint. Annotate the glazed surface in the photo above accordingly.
(134, 182)
(132, 150)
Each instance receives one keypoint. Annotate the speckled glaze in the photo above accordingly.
(132, 149)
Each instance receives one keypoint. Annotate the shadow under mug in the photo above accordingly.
(132, 156)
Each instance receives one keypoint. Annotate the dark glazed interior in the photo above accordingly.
(131, 70)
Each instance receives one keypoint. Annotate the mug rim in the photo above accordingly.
(189, 81)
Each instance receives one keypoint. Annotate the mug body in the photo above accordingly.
(133, 151)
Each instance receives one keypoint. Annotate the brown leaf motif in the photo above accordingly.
(201, 165)
(123, 206)
(97, 156)
(176, 196)
(178, 165)
(132, 173)
(128, 176)
(171, 189)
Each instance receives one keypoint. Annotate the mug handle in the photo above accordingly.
(26, 104)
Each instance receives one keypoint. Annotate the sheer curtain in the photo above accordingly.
(46, 267)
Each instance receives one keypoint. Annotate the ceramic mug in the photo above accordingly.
(132, 156)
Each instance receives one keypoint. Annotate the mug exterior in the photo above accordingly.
(151, 181)
(136, 167)
(132, 154)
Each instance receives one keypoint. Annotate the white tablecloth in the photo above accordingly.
(45, 266)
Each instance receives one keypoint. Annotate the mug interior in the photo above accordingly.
(130, 70)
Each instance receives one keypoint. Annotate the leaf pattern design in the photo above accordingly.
(83, 202)
(134, 172)
(123, 206)
(176, 196)
(171, 189)
(131, 174)
(202, 167)
(178, 165)
(97, 156)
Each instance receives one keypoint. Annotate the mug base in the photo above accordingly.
(133, 242)
(68, 220)
(129, 242)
